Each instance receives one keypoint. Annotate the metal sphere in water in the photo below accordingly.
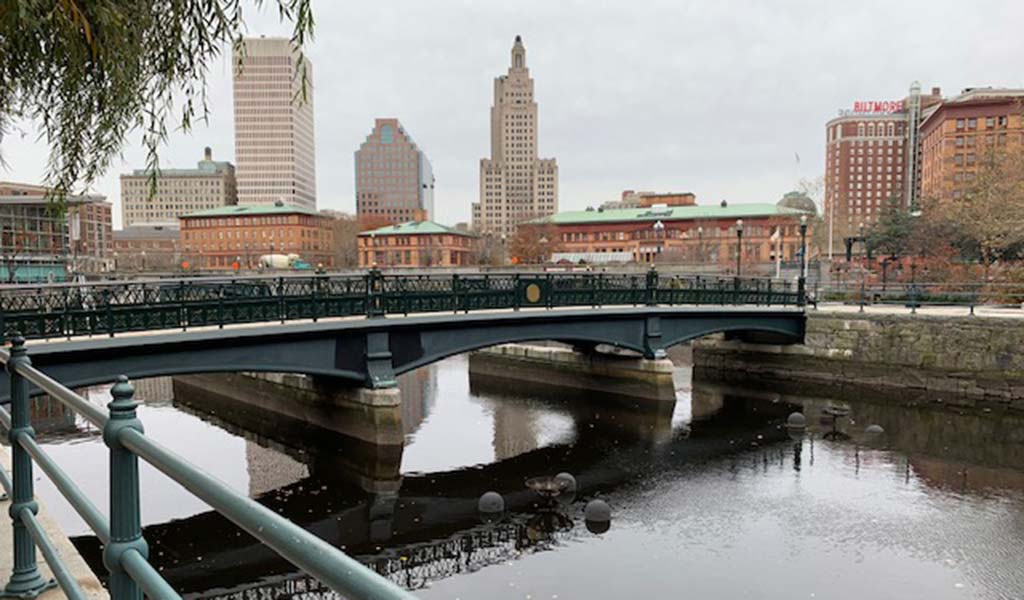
(567, 480)
(490, 503)
(874, 429)
(796, 421)
(597, 510)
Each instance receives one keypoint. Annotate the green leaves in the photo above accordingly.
(89, 72)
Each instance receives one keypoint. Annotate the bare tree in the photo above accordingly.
(534, 243)
(990, 212)
(12, 246)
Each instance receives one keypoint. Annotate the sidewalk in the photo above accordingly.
(74, 561)
(937, 311)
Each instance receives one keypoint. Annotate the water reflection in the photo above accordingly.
(714, 498)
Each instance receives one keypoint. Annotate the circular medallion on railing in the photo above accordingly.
(533, 293)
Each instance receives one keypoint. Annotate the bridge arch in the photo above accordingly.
(371, 352)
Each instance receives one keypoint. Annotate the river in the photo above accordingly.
(714, 500)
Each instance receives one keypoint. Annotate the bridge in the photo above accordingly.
(362, 330)
(367, 329)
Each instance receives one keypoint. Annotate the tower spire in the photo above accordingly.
(518, 54)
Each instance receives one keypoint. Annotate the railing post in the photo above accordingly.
(280, 299)
(516, 300)
(652, 287)
(801, 292)
(374, 305)
(455, 293)
(125, 520)
(26, 580)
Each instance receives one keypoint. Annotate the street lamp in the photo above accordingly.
(543, 241)
(373, 251)
(700, 244)
(802, 281)
(739, 246)
(659, 231)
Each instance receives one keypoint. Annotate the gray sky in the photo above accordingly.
(713, 97)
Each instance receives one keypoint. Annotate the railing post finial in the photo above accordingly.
(125, 517)
(26, 581)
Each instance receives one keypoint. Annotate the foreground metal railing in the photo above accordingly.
(67, 310)
(125, 551)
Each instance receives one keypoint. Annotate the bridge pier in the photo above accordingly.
(354, 434)
(636, 381)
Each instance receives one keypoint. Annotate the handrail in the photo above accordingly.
(313, 555)
(125, 552)
(67, 582)
(67, 310)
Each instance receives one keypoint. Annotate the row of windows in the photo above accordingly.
(990, 122)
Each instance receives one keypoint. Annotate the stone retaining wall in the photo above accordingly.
(972, 358)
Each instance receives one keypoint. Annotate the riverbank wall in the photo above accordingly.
(958, 359)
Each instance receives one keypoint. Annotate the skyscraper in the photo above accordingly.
(515, 185)
(274, 150)
(394, 179)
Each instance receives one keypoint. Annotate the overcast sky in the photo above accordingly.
(714, 97)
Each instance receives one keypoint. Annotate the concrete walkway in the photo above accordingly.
(76, 564)
(936, 311)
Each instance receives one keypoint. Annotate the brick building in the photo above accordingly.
(959, 134)
(178, 191)
(216, 239)
(415, 244)
(631, 199)
(872, 159)
(39, 243)
(394, 179)
(147, 248)
(691, 233)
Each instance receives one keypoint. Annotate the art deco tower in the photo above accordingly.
(274, 151)
(515, 185)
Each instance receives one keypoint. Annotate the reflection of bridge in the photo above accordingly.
(428, 507)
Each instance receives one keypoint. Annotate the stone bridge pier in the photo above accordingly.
(620, 377)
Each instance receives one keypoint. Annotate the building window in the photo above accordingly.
(959, 123)
(972, 123)
(387, 134)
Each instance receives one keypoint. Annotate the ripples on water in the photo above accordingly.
(712, 501)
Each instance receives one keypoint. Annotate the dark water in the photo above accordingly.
(711, 501)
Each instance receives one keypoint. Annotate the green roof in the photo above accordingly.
(416, 228)
(252, 210)
(669, 213)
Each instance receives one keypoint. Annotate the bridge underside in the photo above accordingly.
(371, 352)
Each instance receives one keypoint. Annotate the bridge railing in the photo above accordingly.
(68, 310)
(125, 553)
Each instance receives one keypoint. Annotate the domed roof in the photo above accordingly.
(799, 201)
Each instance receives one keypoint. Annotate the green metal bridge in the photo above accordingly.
(70, 310)
(322, 325)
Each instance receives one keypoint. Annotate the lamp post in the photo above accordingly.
(659, 231)
(739, 246)
(543, 241)
(143, 255)
(700, 244)
(373, 251)
(801, 282)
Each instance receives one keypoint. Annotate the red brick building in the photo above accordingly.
(415, 244)
(959, 134)
(693, 234)
(218, 238)
(872, 159)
